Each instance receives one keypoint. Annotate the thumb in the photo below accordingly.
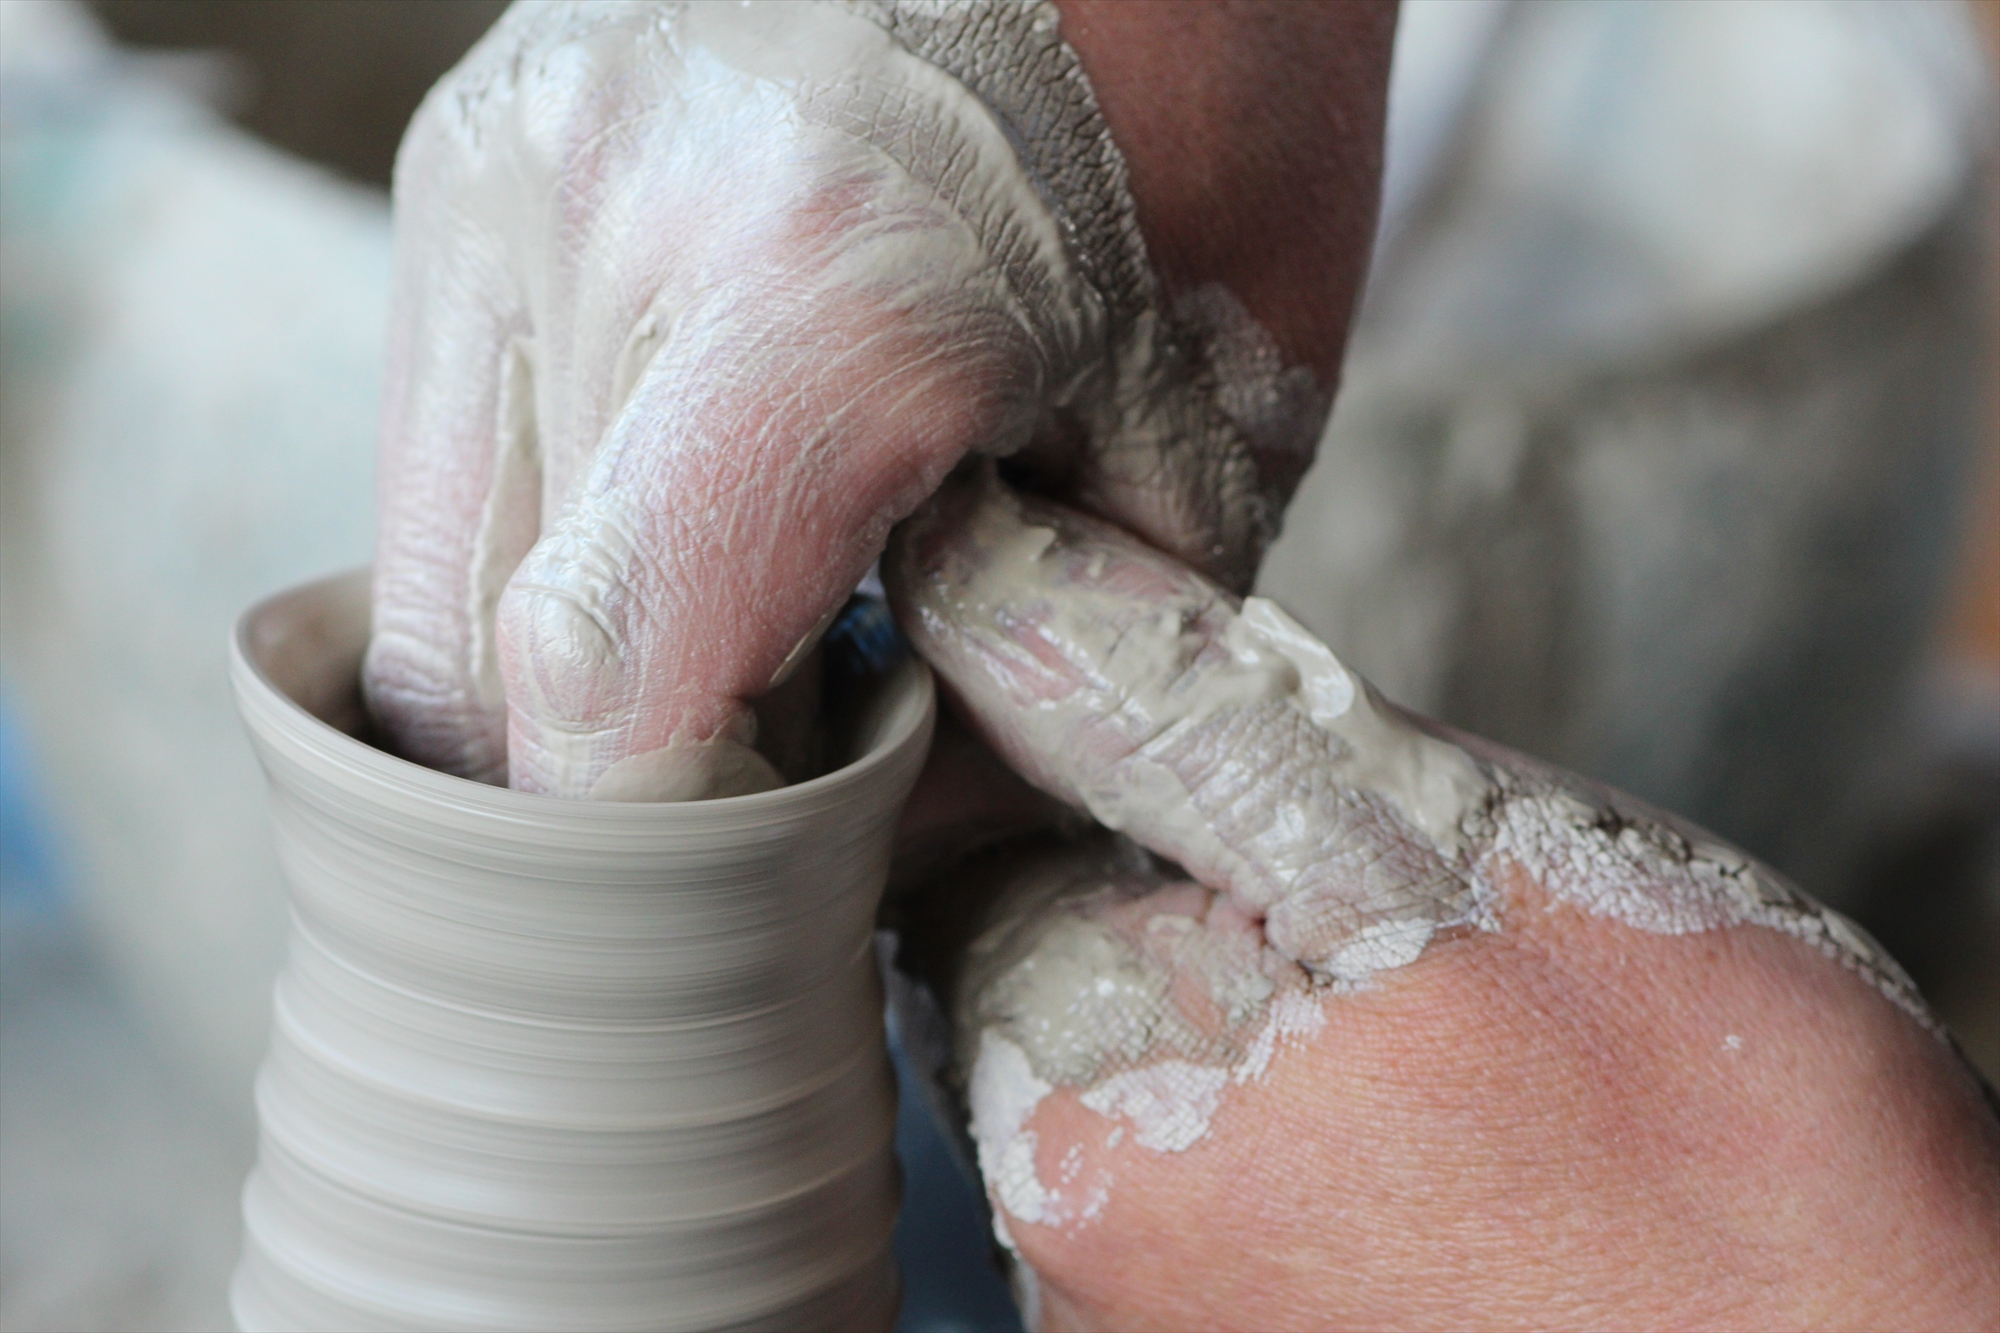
(1217, 733)
(740, 496)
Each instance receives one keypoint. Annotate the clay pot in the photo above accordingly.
(543, 1064)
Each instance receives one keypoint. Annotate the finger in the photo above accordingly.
(1213, 732)
(458, 483)
(742, 495)
(1196, 439)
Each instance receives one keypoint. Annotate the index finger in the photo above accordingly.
(459, 479)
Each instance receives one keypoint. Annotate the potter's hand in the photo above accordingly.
(693, 303)
(1412, 1032)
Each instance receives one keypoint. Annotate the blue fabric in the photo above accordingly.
(31, 879)
(944, 1243)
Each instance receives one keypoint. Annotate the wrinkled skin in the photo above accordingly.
(1562, 1122)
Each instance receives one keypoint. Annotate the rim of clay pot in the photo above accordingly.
(541, 1062)
(277, 663)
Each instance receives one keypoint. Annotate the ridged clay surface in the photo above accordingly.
(544, 1064)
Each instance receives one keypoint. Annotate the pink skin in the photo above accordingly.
(1528, 1128)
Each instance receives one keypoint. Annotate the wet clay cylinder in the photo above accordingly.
(542, 1064)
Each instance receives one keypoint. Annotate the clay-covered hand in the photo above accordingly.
(693, 302)
(1355, 1022)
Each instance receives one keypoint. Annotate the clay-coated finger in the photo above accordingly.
(1199, 440)
(1216, 733)
(746, 487)
(458, 484)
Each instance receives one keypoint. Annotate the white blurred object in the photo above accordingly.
(1647, 449)
(191, 345)
(1632, 180)
(1441, 48)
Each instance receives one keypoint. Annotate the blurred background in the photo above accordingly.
(1667, 450)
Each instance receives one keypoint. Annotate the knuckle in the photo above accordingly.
(563, 626)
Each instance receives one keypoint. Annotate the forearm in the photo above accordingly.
(1253, 133)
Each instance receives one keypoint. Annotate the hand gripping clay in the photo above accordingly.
(694, 302)
(546, 1064)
